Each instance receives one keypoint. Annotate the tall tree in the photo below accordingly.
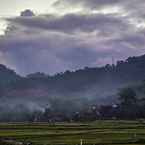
(127, 97)
(128, 103)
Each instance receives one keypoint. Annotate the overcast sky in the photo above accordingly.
(56, 35)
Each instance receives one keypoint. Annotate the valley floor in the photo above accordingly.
(95, 133)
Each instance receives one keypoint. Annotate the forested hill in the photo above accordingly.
(100, 83)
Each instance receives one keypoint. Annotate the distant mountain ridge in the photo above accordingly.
(98, 85)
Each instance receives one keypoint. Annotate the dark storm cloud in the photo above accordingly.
(72, 22)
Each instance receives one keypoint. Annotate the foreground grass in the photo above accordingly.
(99, 132)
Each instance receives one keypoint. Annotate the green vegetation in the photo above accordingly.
(99, 132)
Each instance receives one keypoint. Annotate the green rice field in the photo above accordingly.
(95, 133)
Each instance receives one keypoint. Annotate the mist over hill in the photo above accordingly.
(68, 91)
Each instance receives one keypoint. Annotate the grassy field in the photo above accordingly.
(99, 132)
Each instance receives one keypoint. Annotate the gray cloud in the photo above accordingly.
(88, 3)
(53, 43)
(27, 13)
(132, 8)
